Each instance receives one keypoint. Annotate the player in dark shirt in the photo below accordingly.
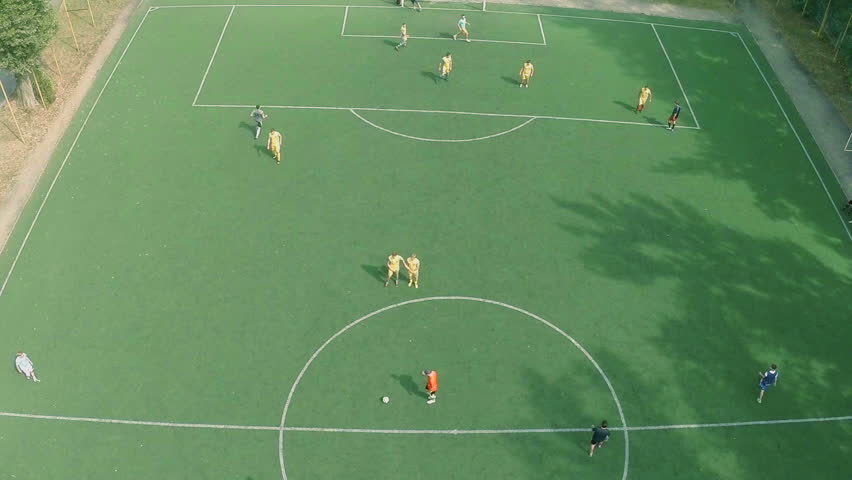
(674, 116)
(599, 436)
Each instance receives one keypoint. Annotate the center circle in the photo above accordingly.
(624, 426)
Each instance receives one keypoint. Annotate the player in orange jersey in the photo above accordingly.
(431, 385)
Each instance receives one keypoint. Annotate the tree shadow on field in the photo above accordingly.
(377, 272)
(431, 76)
(251, 128)
(734, 302)
(409, 385)
(563, 403)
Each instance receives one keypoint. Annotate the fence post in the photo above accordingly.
(12, 111)
(56, 62)
(824, 19)
(90, 13)
(38, 87)
(841, 38)
(71, 25)
(804, 7)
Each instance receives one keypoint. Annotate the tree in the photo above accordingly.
(26, 27)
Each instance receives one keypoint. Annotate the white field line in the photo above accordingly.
(541, 29)
(443, 38)
(617, 20)
(213, 57)
(846, 148)
(138, 422)
(507, 431)
(555, 328)
(682, 91)
(793, 129)
(516, 127)
(448, 112)
(68, 155)
(345, 16)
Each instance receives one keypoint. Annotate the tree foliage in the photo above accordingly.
(26, 27)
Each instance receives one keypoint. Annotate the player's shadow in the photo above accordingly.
(512, 80)
(391, 43)
(248, 126)
(409, 385)
(262, 151)
(626, 106)
(431, 75)
(379, 273)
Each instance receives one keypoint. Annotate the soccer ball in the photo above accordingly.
(385, 399)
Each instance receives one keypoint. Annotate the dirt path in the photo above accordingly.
(32, 169)
(824, 121)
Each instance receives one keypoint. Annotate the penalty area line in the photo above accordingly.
(451, 112)
(503, 431)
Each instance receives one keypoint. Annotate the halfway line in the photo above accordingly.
(423, 432)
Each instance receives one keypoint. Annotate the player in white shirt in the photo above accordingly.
(25, 366)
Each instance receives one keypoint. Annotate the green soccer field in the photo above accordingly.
(196, 311)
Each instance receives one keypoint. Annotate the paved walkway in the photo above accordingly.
(824, 121)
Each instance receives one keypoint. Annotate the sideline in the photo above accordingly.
(38, 158)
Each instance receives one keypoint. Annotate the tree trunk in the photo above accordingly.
(26, 95)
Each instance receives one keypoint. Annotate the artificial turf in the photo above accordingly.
(176, 274)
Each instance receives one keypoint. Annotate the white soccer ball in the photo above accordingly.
(385, 399)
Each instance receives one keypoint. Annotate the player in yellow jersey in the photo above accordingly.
(644, 97)
(403, 36)
(446, 66)
(413, 266)
(393, 267)
(273, 144)
(526, 73)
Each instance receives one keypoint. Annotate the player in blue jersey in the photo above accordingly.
(463, 23)
(673, 118)
(768, 379)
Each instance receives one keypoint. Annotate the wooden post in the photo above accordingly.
(38, 87)
(12, 111)
(90, 13)
(56, 62)
(821, 25)
(71, 25)
(804, 7)
(841, 38)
